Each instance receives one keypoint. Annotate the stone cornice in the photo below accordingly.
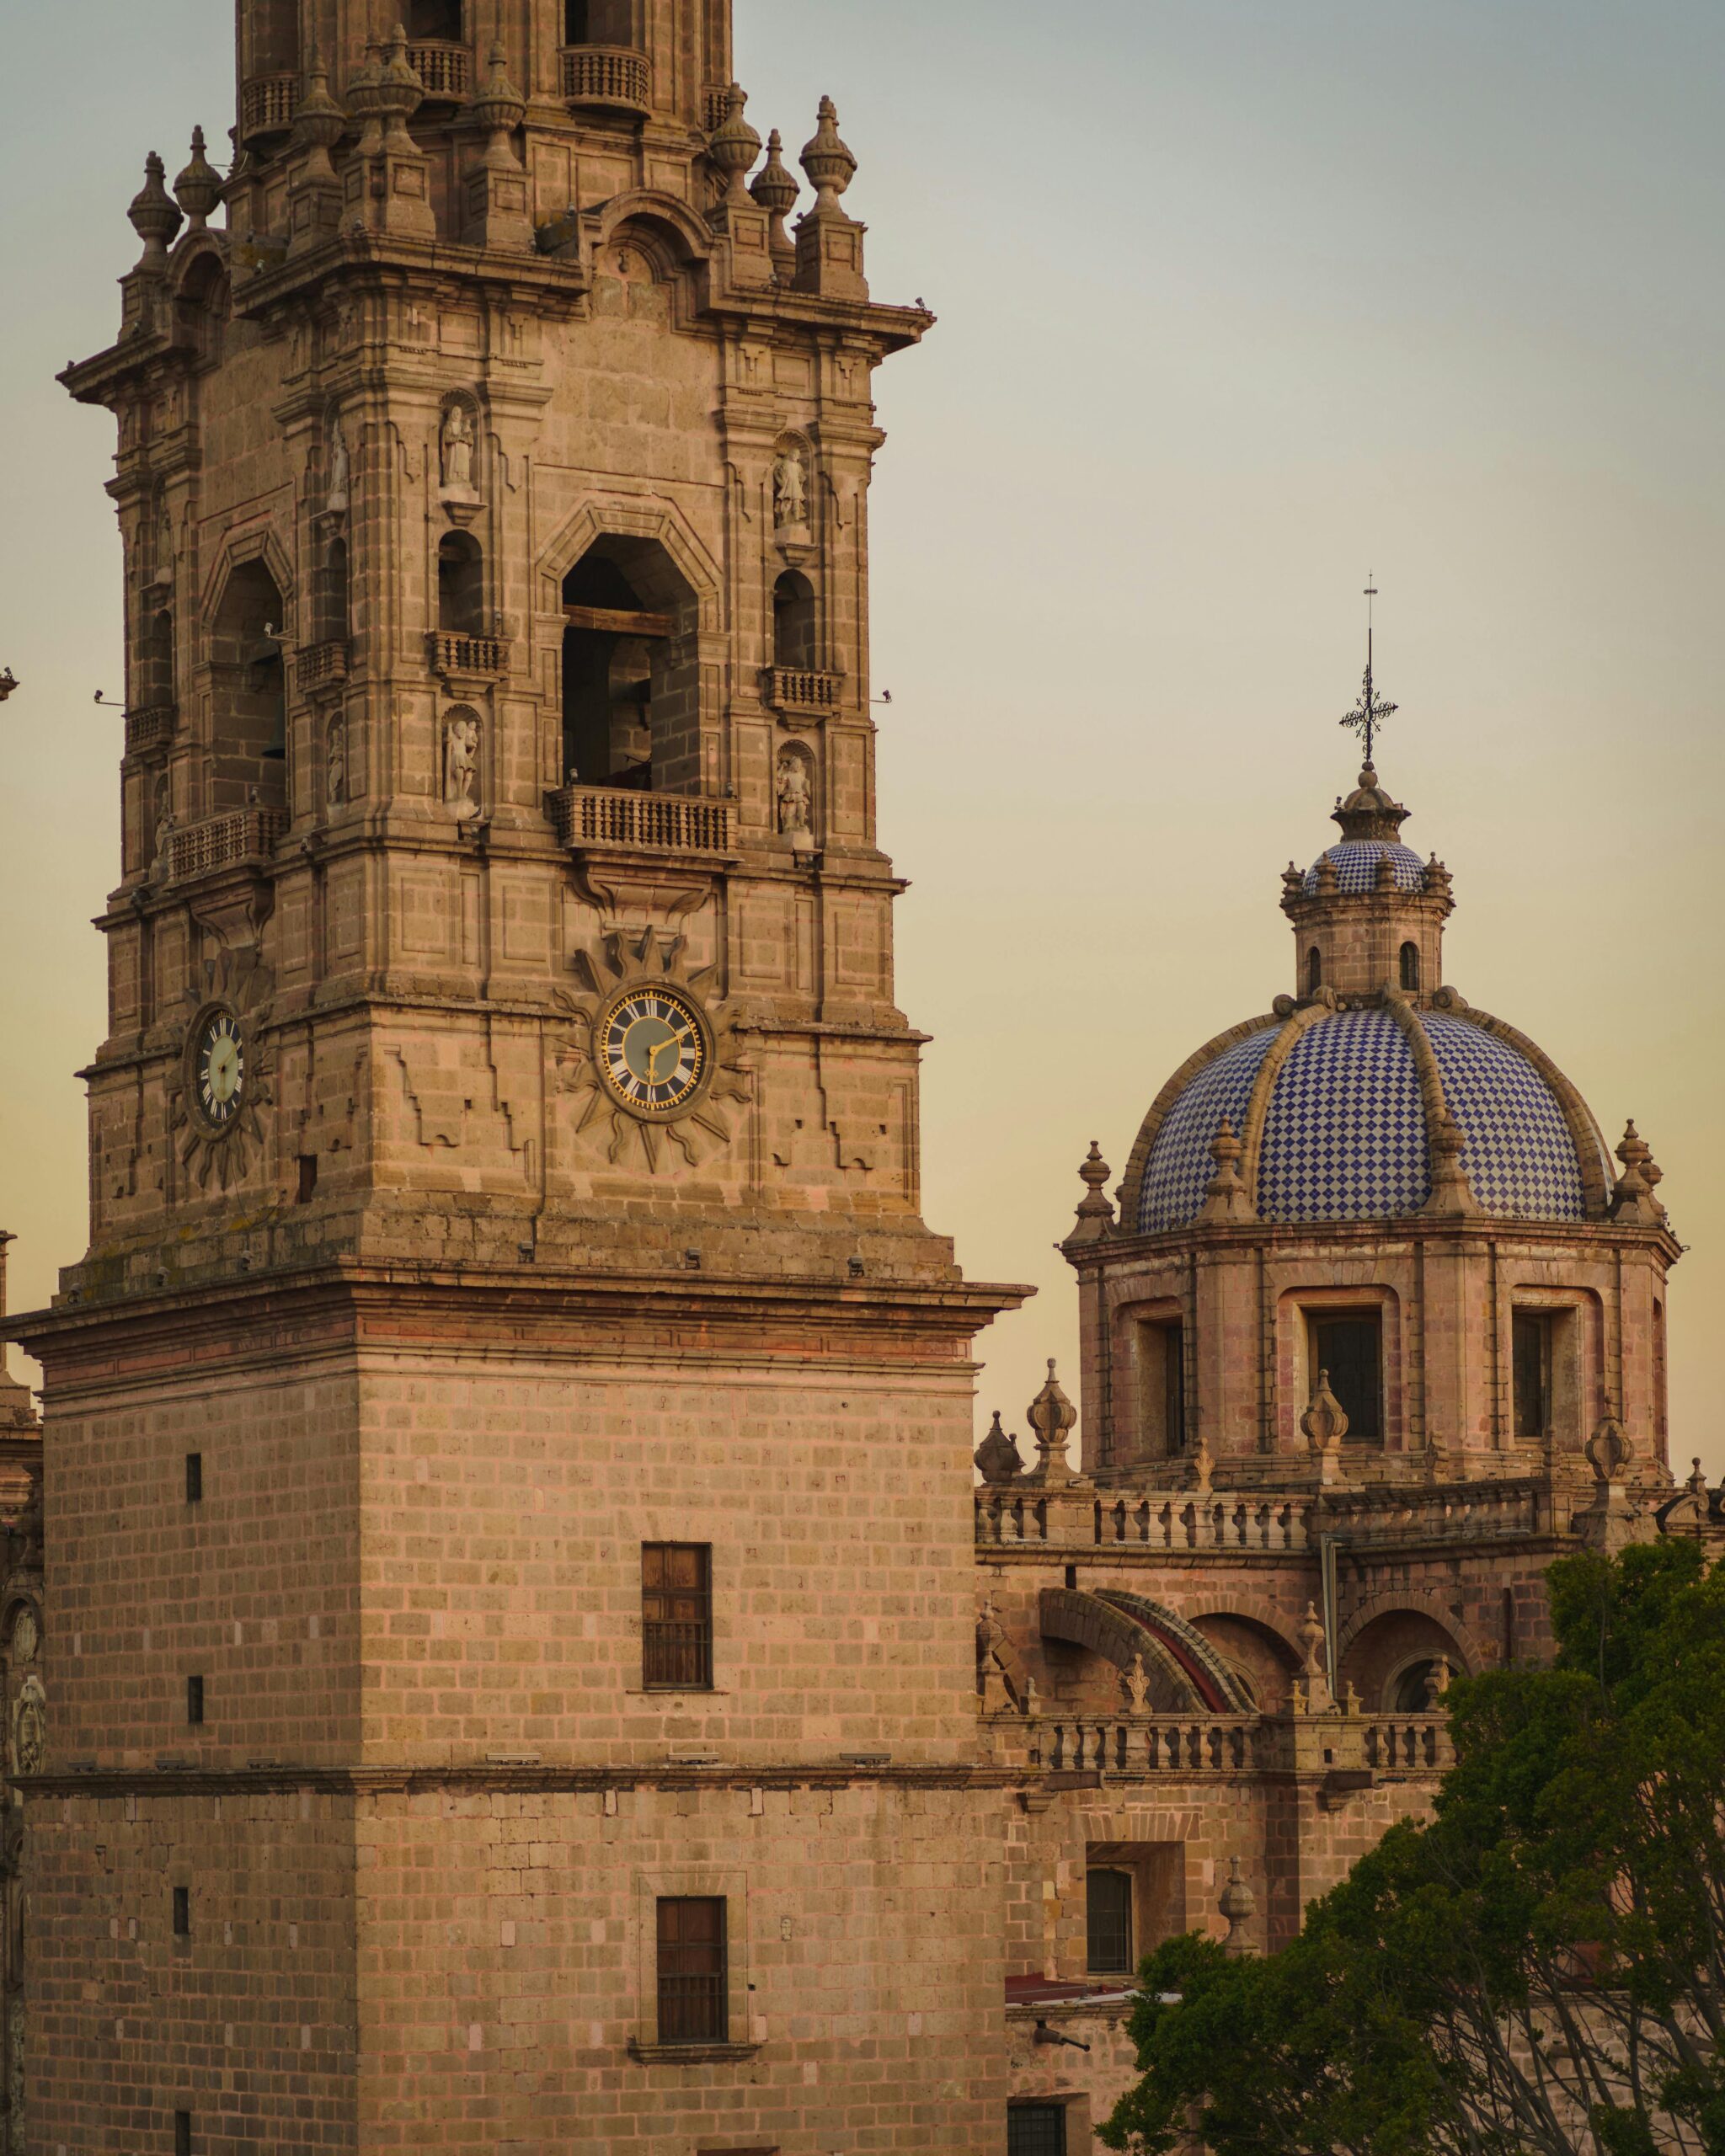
(1222, 1238)
(288, 1780)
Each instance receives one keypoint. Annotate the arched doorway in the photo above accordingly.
(631, 676)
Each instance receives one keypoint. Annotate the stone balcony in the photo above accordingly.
(321, 666)
(445, 69)
(152, 726)
(605, 77)
(224, 841)
(467, 658)
(1350, 1747)
(267, 103)
(1079, 1517)
(595, 819)
(803, 692)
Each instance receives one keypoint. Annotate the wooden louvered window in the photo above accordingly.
(694, 1972)
(676, 1616)
(1350, 1347)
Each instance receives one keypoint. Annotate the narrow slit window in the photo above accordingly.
(194, 1701)
(194, 1478)
(1531, 1356)
(182, 2133)
(694, 1972)
(1314, 970)
(182, 1911)
(1410, 968)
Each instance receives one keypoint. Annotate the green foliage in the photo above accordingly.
(1541, 1967)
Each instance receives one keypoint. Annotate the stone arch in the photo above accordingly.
(1281, 1644)
(1124, 1628)
(259, 542)
(665, 230)
(1388, 1602)
(633, 516)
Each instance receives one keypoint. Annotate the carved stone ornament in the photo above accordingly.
(236, 985)
(1238, 1905)
(29, 1728)
(1136, 1680)
(631, 968)
(26, 1635)
(336, 500)
(461, 766)
(794, 785)
(457, 447)
(335, 764)
(998, 1460)
(1054, 1418)
(790, 488)
(1325, 1422)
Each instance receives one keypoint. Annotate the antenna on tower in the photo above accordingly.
(1371, 712)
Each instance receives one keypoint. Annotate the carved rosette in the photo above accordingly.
(239, 983)
(628, 959)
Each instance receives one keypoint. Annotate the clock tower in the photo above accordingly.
(508, 1493)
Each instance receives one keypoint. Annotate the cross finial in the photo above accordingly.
(1371, 712)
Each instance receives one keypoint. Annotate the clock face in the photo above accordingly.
(219, 1069)
(653, 1051)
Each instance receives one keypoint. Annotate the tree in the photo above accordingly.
(1539, 1968)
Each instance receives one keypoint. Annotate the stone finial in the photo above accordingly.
(829, 163)
(1329, 881)
(1136, 1680)
(1225, 1195)
(775, 190)
(198, 189)
(1384, 877)
(497, 103)
(1053, 1417)
(318, 120)
(734, 147)
(1238, 1905)
(1452, 1193)
(1325, 1424)
(1696, 1485)
(1096, 1216)
(998, 1460)
(1615, 1518)
(1632, 1195)
(1315, 1680)
(1608, 1451)
(1438, 1679)
(155, 216)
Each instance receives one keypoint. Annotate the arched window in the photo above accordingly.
(461, 585)
(1314, 970)
(440, 20)
(1410, 968)
(794, 621)
(631, 681)
(1108, 1905)
(249, 765)
(598, 22)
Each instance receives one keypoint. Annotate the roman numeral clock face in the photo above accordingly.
(219, 1069)
(653, 1051)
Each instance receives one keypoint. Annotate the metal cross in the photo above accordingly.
(1370, 714)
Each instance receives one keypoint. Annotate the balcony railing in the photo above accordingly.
(803, 689)
(600, 816)
(478, 657)
(244, 835)
(1225, 1744)
(320, 665)
(267, 105)
(446, 70)
(151, 728)
(606, 75)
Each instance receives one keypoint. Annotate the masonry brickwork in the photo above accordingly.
(505, 1172)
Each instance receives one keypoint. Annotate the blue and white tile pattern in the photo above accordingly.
(1345, 1136)
(1357, 867)
(1521, 1158)
(1180, 1166)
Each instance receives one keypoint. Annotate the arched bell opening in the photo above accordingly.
(461, 585)
(1314, 970)
(248, 764)
(1410, 968)
(793, 624)
(631, 674)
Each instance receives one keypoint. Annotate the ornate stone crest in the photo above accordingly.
(628, 963)
(236, 985)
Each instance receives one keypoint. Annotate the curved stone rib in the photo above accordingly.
(1258, 1109)
(1132, 1187)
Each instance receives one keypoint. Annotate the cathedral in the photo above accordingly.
(509, 1642)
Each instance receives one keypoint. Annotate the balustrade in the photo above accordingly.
(606, 75)
(320, 665)
(1408, 1743)
(245, 835)
(267, 105)
(446, 70)
(1167, 1521)
(475, 658)
(151, 728)
(655, 823)
(803, 689)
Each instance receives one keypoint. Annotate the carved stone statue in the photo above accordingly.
(458, 450)
(796, 801)
(29, 1728)
(790, 490)
(164, 829)
(461, 766)
(1137, 1682)
(337, 498)
(335, 766)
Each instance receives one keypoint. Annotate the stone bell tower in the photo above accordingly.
(508, 1500)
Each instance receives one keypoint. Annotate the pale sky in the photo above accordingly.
(1239, 299)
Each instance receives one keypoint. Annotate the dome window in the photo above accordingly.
(1314, 970)
(1410, 968)
(1348, 1347)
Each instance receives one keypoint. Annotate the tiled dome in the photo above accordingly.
(1341, 1134)
(1356, 864)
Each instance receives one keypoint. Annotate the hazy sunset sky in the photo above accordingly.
(1239, 299)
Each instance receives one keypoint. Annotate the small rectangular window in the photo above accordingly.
(694, 1972)
(1531, 1337)
(307, 1189)
(195, 1700)
(182, 2133)
(676, 1616)
(194, 1478)
(182, 1911)
(1348, 1348)
(1036, 2130)
(1107, 1897)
